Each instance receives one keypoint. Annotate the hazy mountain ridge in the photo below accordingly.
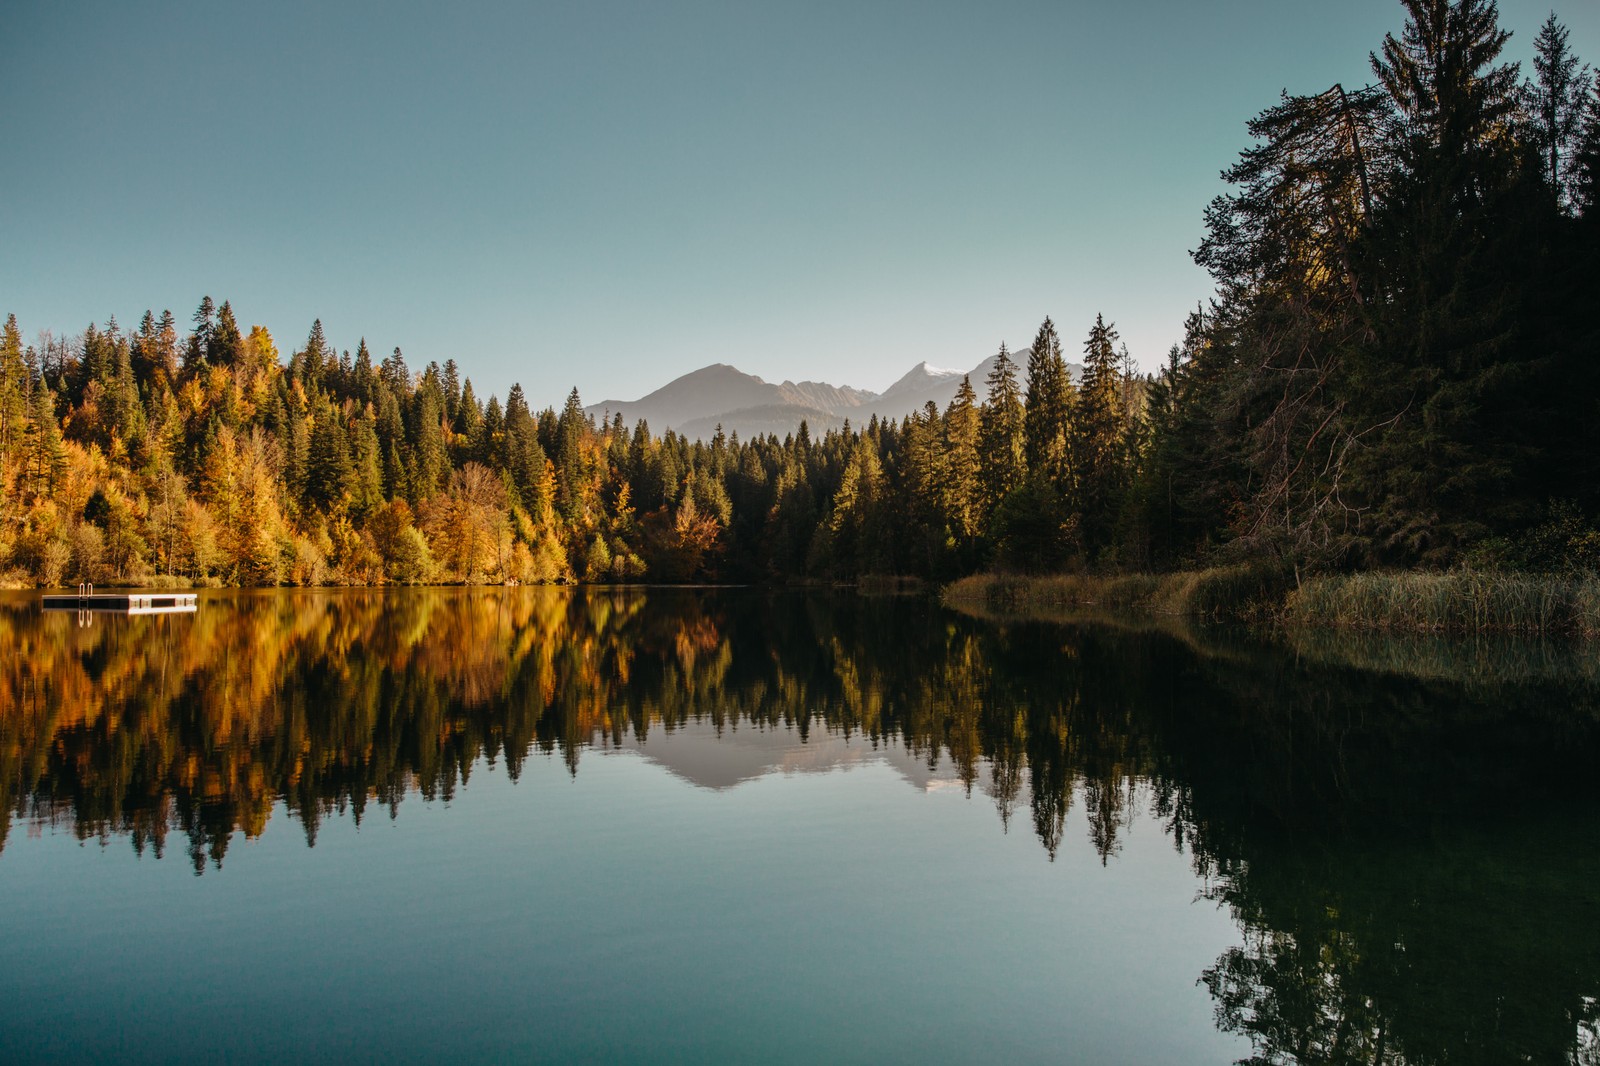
(696, 403)
(825, 397)
(779, 419)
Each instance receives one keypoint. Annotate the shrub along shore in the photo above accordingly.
(1448, 602)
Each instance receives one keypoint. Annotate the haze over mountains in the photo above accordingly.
(695, 404)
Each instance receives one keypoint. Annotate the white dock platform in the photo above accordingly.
(125, 602)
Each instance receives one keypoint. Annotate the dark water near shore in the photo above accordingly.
(692, 825)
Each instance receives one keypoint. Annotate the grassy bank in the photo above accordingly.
(1457, 602)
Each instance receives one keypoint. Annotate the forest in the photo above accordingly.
(1398, 369)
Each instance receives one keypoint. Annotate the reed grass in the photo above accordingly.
(1453, 602)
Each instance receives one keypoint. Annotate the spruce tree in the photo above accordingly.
(14, 388)
(330, 474)
(366, 486)
(569, 458)
(47, 456)
(1047, 409)
(963, 488)
(469, 425)
(1555, 98)
(451, 383)
(1097, 436)
(1586, 160)
(200, 338)
(1001, 432)
(1434, 393)
(226, 343)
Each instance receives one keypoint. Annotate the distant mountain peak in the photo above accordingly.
(920, 378)
(697, 402)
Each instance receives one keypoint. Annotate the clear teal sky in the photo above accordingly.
(608, 195)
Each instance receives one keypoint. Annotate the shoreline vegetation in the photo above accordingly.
(1454, 603)
(1396, 378)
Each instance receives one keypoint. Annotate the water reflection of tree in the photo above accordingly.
(1368, 832)
(331, 702)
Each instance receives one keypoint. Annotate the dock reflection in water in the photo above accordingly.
(1410, 855)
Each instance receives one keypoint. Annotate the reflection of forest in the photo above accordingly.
(1412, 861)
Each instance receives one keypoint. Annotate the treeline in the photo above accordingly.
(1400, 367)
(134, 455)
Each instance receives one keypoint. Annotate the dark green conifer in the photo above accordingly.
(1047, 408)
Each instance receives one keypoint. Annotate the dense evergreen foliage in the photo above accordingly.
(1399, 368)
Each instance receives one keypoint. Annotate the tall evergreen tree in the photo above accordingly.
(226, 343)
(330, 474)
(1586, 159)
(1434, 383)
(200, 338)
(1555, 99)
(15, 386)
(1097, 437)
(450, 380)
(569, 459)
(1048, 409)
(1001, 432)
(963, 487)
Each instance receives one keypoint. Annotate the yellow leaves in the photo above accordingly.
(192, 399)
(86, 469)
(259, 348)
(218, 378)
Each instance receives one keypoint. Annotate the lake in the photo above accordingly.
(682, 825)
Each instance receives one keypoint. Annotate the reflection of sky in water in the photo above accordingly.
(703, 755)
(622, 914)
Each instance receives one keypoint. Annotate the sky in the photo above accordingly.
(606, 196)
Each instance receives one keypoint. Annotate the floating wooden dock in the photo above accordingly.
(87, 599)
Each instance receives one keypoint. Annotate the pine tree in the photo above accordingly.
(1586, 160)
(923, 482)
(425, 436)
(855, 519)
(226, 343)
(469, 425)
(963, 489)
(1048, 408)
(295, 441)
(166, 349)
(570, 474)
(365, 383)
(1429, 396)
(366, 490)
(525, 459)
(1001, 433)
(312, 363)
(451, 382)
(15, 385)
(1097, 436)
(200, 338)
(330, 474)
(395, 375)
(46, 455)
(1555, 99)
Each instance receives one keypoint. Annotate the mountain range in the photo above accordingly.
(695, 404)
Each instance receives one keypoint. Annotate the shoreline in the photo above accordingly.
(1453, 602)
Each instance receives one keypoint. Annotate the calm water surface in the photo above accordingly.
(676, 825)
